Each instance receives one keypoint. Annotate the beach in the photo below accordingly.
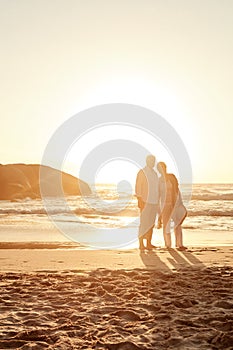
(58, 296)
(77, 280)
(59, 257)
(116, 118)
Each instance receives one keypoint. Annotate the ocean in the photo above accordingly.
(109, 217)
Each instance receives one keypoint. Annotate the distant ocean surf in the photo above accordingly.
(210, 208)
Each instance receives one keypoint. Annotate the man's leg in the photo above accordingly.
(142, 231)
(147, 220)
(141, 244)
(153, 211)
(149, 238)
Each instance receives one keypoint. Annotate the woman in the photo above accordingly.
(171, 207)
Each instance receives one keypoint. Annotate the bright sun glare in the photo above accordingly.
(114, 170)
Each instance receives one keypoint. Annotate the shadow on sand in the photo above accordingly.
(169, 259)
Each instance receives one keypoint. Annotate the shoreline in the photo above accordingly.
(43, 234)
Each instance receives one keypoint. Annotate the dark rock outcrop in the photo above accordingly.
(18, 181)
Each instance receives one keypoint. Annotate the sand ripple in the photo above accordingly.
(117, 310)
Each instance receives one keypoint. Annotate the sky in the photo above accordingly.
(60, 57)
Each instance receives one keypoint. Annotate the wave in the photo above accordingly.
(213, 197)
(28, 211)
(128, 212)
(131, 212)
(209, 212)
(78, 211)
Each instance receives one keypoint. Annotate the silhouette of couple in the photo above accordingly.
(159, 197)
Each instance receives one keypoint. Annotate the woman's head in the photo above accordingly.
(162, 168)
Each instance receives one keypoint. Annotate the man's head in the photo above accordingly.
(150, 161)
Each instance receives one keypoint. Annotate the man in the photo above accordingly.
(147, 193)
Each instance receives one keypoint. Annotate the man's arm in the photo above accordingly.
(138, 189)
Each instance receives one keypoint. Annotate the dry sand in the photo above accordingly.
(82, 299)
(31, 257)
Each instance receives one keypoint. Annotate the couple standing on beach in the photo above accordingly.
(159, 196)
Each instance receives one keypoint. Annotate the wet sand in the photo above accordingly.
(81, 299)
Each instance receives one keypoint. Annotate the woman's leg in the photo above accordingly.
(167, 239)
(166, 218)
(178, 236)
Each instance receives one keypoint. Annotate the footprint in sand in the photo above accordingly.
(224, 304)
(127, 315)
(127, 345)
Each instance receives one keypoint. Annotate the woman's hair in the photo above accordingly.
(162, 168)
